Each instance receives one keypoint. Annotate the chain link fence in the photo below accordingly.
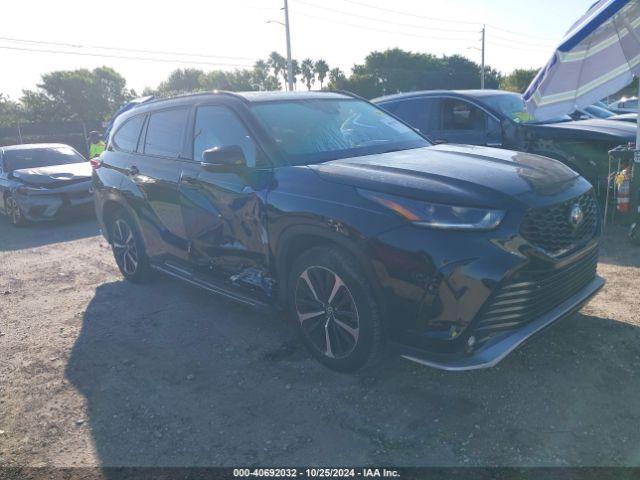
(71, 133)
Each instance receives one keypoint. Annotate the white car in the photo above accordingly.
(625, 105)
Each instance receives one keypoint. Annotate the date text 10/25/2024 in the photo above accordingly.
(315, 473)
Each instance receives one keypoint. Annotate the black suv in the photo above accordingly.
(326, 205)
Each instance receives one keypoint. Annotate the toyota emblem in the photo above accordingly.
(576, 216)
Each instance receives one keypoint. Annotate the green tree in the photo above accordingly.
(397, 70)
(10, 112)
(518, 80)
(321, 69)
(337, 79)
(182, 81)
(278, 65)
(308, 72)
(87, 95)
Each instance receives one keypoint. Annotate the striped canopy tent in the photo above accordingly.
(597, 57)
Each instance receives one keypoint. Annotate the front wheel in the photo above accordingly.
(334, 308)
(12, 208)
(128, 249)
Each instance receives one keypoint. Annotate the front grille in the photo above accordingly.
(532, 293)
(551, 230)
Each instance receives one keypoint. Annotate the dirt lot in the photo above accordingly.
(96, 371)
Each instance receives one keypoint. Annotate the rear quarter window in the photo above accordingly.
(127, 136)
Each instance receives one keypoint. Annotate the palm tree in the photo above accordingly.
(336, 76)
(260, 74)
(278, 64)
(308, 73)
(321, 68)
(295, 68)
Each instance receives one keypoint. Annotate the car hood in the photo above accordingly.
(627, 117)
(461, 174)
(592, 128)
(54, 175)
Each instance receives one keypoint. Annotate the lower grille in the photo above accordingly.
(533, 293)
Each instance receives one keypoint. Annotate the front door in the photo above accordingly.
(463, 122)
(225, 212)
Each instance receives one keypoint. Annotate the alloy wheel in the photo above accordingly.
(13, 210)
(327, 312)
(124, 247)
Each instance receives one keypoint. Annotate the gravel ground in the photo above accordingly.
(96, 371)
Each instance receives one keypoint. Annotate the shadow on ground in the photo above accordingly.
(175, 377)
(39, 234)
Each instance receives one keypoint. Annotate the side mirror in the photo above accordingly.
(223, 158)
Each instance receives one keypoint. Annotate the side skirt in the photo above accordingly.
(216, 288)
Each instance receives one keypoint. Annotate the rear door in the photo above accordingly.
(420, 113)
(151, 173)
(225, 212)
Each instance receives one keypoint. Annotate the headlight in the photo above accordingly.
(435, 215)
(25, 190)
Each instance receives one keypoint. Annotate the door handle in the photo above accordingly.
(132, 170)
(188, 179)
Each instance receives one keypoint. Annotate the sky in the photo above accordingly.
(158, 37)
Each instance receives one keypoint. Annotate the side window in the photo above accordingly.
(461, 115)
(419, 113)
(219, 127)
(126, 138)
(165, 133)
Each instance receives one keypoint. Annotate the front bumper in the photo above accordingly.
(493, 351)
(47, 204)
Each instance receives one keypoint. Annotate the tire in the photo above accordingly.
(335, 311)
(128, 248)
(634, 234)
(13, 212)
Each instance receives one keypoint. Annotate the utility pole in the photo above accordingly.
(482, 68)
(289, 63)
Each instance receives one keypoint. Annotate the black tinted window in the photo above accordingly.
(126, 138)
(220, 127)
(460, 115)
(166, 132)
(418, 112)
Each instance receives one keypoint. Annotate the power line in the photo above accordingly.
(512, 47)
(132, 50)
(394, 32)
(389, 10)
(124, 57)
(342, 12)
(445, 20)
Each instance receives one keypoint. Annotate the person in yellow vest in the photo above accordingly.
(96, 145)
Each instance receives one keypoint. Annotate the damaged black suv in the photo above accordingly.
(326, 206)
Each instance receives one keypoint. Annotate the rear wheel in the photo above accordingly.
(128, 248)
(335, 310)
(634, 233)
(13, 211)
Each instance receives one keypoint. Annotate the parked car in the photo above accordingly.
(40, 181)
(624, 105)
(499, 119)
(324, 205)
(596, 111)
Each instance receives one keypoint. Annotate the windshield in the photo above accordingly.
(317, 130)
(40, 157)
(512, 106)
